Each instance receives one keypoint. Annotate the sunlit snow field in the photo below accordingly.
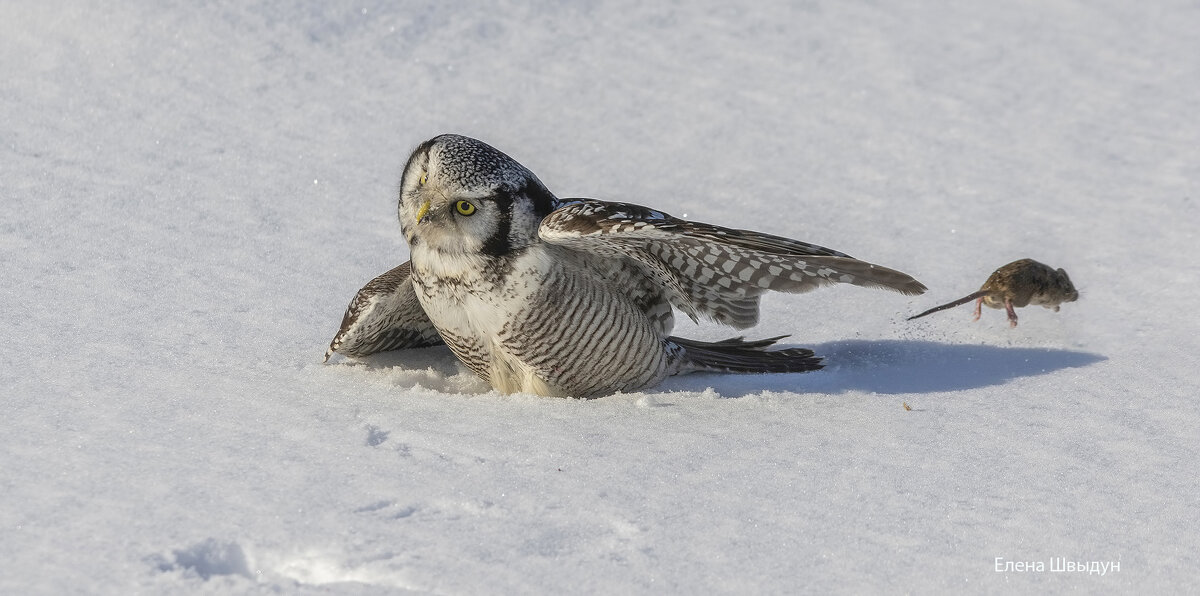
(191, 194)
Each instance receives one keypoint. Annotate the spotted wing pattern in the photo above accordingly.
(384, 315)
(706, 270)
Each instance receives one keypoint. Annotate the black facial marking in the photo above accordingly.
(543, 200)
(498, 244)
(420, 154)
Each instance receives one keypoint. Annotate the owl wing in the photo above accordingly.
(384, 315)
(706, 270)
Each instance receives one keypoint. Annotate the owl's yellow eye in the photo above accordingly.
(423, 179)
(465, 208)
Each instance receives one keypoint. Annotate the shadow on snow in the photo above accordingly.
(882, 366)
(897, 366)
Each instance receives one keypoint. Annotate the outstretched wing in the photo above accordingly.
(706, 270)
(384, 315)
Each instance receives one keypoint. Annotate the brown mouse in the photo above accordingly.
(1018, 284)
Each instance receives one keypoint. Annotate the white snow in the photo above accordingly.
(192, 194)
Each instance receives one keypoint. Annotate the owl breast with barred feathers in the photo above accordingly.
(576, 297)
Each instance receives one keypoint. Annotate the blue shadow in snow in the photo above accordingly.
(882, 366)
(438, 358)
(897, 366)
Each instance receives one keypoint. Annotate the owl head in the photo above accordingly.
(459, 195)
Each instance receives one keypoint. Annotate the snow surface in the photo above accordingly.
(192, 192)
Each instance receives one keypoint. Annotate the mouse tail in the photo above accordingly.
(963, 300)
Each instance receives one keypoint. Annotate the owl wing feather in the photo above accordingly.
(706, 270)
(384, 315)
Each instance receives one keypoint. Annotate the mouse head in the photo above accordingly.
(1064, 287)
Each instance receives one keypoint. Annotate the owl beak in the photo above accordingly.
(422, 211)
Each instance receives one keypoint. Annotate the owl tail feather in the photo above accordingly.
(736, 355)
